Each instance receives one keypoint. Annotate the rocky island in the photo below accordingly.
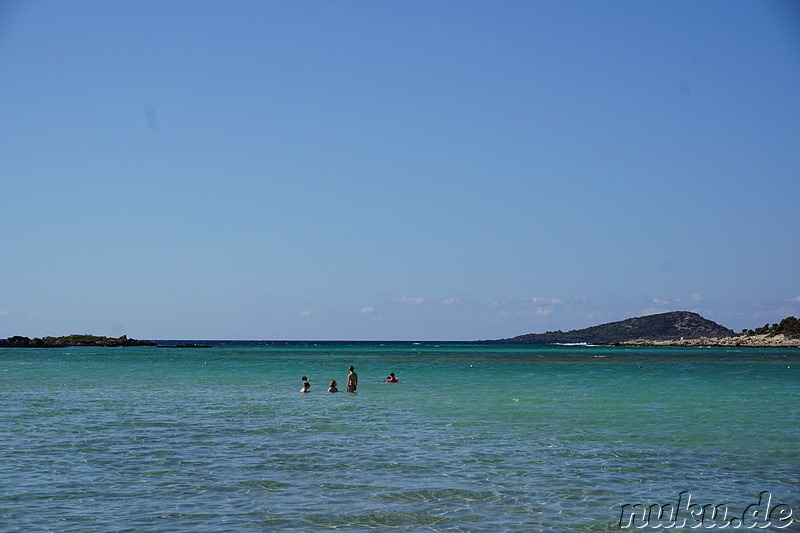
(753, 341)
(71, 340)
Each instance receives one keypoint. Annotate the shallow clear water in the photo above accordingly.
(473, 437)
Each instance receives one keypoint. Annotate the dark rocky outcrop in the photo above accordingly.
(675, 325)
(71, 340)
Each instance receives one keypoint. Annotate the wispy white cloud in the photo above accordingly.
(410, 299)
(661, 304)
(546, 300)
(4, 313)
(595, 316)
(305, 313)
(451, 301)
(544, 311)
(367, 310)
(795, 299)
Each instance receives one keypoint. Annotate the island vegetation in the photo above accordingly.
(789, 327)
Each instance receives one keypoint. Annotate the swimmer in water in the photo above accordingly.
(306, 386)
(391, 378)
(333, 388)
(352, 380)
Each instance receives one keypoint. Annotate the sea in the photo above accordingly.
(473, 438)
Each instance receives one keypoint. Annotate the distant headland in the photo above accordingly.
(676, 328)
(71, 340)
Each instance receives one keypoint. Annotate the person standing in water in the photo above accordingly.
(333, 387)
(306, 386)
(352, 380)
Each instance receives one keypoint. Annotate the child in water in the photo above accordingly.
(306, 386)
(333, 388)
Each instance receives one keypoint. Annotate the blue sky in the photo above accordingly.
(439, 170)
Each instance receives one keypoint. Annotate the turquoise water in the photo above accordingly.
(473, 438)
